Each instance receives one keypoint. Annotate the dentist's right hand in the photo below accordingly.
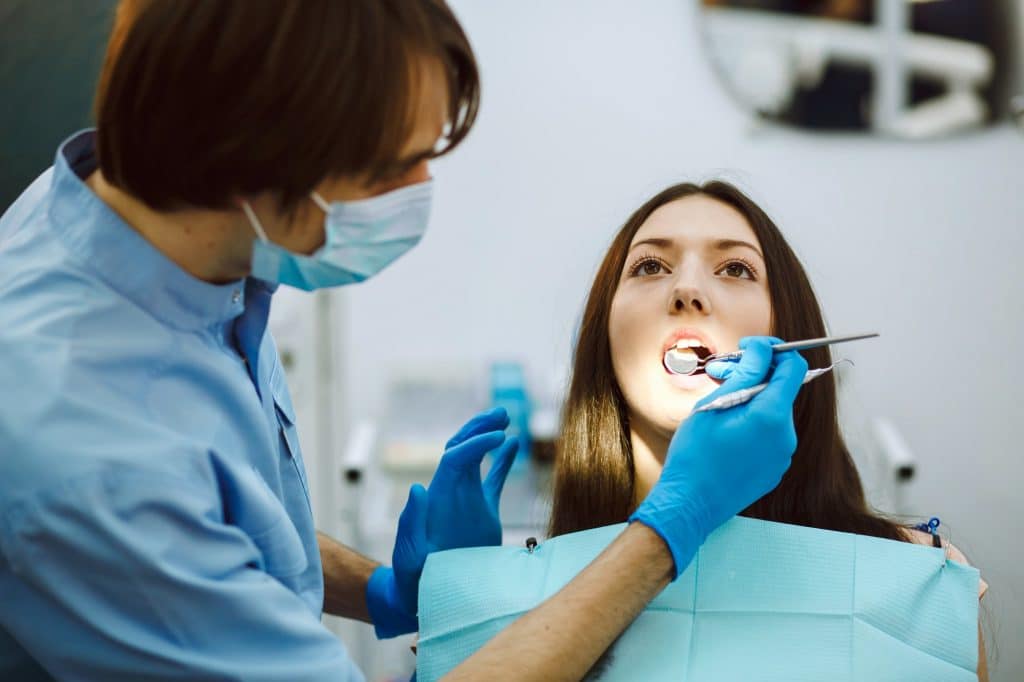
(720, 462)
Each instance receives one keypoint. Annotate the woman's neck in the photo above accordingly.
(649, 447)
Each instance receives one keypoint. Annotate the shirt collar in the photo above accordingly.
(101, 241)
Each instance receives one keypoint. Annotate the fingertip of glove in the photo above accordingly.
(488, 437)
(496, 412)
(415, 504)
(719, 370)
(758, 342)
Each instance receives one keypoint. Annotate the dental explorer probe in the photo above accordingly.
(688, 363)
(746, 394)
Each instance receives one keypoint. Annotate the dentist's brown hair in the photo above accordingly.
(594, 474)
(202, 101)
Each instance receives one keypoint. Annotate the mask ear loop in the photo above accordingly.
(321, 202)
(254, 221)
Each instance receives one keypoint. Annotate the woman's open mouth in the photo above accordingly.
(685, 356)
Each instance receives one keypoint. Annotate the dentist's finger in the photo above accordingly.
(465, 457)
(751, 369)
(786, 380)
(495, 482)
(494, 419)
(411, 545)
(723, 369)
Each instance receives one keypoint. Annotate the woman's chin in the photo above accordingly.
(679, 403)
(698, 385)
(678, 414)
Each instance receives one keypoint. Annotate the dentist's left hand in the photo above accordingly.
(458, 510)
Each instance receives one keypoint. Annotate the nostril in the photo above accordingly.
(679, 305)
(697, 305)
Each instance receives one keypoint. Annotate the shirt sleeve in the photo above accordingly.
(123, 576)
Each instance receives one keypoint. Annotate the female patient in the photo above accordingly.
(705, 266)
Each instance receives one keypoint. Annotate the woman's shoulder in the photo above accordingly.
(922, 537)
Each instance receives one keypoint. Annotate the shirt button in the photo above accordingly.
(236, 296)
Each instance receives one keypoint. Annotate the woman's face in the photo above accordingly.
(694, 273)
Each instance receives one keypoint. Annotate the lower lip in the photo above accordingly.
(690, 382)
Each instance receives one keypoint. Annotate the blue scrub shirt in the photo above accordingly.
(154, 511)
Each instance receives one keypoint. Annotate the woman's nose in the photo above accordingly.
(689, 298)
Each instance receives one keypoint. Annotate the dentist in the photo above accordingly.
(154, 512)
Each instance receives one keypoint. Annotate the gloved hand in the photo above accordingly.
(462, 512)
(724, 369)
(720, 462)
(459, 510)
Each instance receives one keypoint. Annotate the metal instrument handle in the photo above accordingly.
(793, 345)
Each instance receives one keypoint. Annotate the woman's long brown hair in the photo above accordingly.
(594, 475)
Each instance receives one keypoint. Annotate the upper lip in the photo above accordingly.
(688, 333)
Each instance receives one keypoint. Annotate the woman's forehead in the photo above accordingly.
(694, 219)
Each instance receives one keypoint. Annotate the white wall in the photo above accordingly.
(589, 108)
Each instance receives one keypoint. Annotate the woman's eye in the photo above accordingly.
(737, 270)
(648, 267)
(651, 267)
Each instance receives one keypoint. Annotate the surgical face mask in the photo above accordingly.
(361, 238)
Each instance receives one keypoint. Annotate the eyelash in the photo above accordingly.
(398, 170)
(644, 259)
(393, 173)
(634, 270)
(739, 261)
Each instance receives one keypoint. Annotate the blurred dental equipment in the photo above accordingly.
(745, 395)
(767, 57)
(684, 358)
(887, 464)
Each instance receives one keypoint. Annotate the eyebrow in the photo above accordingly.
(720, 245)
(413, 159)
(427, 153)
(403, 165)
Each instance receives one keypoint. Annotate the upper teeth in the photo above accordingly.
(687, 344)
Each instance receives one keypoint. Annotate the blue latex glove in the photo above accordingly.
(723, 369)
(720, 462)
(462, 511)
(459, 510)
